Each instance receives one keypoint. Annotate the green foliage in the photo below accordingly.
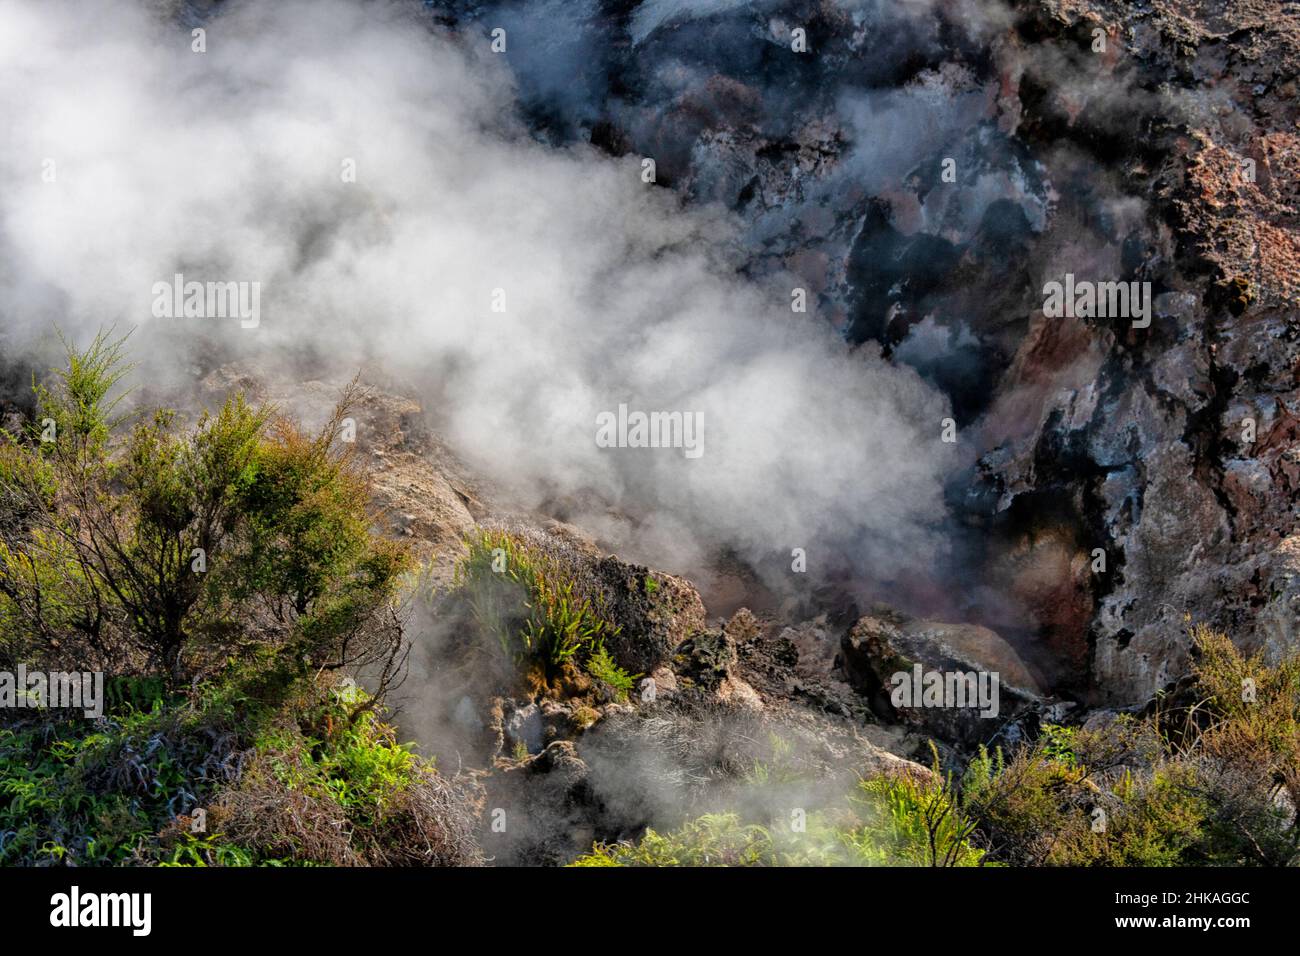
(87, 793)
(778, 768)
(712, 840)
(601, 666)
(76, 400)
(109, 792)
(357, 764)
(907, 822)
(306, 536)
(1155, 792)
(1162, 822)
(525, 601)
(521, 596)
(197, 849)
(342, 791)
(1058, 743)
(102, 792)
(1019, 804)
(135, 693)
(1044, 808)
(1251, 708)
(159, 549)
(889, 821)
(219, 574)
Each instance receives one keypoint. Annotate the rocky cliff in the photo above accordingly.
(1122, 477)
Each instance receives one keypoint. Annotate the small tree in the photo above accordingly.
(175, 548)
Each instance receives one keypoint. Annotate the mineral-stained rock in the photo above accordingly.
(665, 681)
(736, 692)
(705, 660)
(1170, 155)
(706, 664)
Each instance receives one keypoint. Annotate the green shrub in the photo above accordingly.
(601, 666)
(222, 575)
(711, 840)
(527, 603)
(87, 792)
(175, 548)
(889, 821)
(907, 822)
(1192, 785)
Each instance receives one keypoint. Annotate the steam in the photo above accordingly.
(229, 165)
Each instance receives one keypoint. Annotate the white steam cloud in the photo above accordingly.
(226, 166)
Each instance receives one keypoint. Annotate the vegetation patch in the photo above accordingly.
(225, 578)
(537, 610)
(1207, 779)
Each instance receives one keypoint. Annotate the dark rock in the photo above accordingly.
(886, 648)
(654, 611)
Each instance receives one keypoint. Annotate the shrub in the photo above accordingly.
(1194, 784)
(223, 575)
(181, 547)
(889, 821)
(528, 603)
(84, 792)
(907, 822)
(710, 840)
(327, 789)
(295, 784)
(722, 839)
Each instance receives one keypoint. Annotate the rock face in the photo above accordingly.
(921, 172)
(707, 663)
(886, 650)
(1175, 455)
(1278, 622)
(1126, 474)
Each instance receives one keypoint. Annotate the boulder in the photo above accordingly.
(890, 657)
(654, 611)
